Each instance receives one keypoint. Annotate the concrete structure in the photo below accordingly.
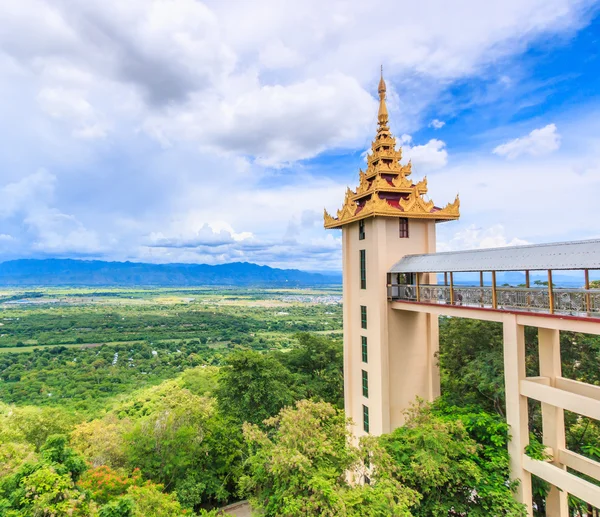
(392, 302)
(389, 356)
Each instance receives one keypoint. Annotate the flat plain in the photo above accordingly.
(80, 346)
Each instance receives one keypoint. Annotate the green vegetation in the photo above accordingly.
(88, 346)
(175, 402)
(303, 464)
(472, 374)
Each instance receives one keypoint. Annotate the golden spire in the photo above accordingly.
(385, 189)
(382, 116)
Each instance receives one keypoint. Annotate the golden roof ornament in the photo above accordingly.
(382, 115)
(384, 189)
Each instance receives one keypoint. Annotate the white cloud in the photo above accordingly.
(526, 200)
(59, 234)
(6, 242)
(47, 229)
(430, 156)
(208, 235)
(209, 71)
(538, 142)
(473, 237)
(164, 119)
(437, 124)
(274, 124)
(277, 55)
(27, 194)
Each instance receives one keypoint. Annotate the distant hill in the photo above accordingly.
(53, 272)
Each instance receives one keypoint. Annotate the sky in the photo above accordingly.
(217, 131)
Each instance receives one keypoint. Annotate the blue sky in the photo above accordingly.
(216, 131)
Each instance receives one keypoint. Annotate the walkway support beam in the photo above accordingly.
(553, 418)
(516, 406)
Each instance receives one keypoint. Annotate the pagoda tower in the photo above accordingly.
(389, 355)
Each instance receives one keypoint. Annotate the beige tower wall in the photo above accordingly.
(400, 363)
(413, 343)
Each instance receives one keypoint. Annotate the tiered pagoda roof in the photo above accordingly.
(384, 188)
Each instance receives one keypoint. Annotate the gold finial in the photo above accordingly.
(382, 87)
(382, 115)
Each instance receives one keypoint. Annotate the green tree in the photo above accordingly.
(457, 460)
(163, 443)
(48, 493)
(318, 362)
(47, 487)
(302, 464)
(179, 440)
(254, 387)
(122, 507)
(102, 441)
(150, 501)
(13, 455)
(34, 424)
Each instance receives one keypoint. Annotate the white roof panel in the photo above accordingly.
(556, 256)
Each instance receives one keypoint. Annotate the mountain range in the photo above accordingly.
(54, 272)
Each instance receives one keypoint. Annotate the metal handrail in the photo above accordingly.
(579, 301)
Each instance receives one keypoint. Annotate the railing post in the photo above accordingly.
(494, 293)
(481, 292)
(528, 285)
(418, 288)
(550, 292)
(451, 288)
(587, 288)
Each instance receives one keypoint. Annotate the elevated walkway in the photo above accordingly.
(412, 287)
(415, 279)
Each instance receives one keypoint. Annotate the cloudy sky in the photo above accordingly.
(216, 131)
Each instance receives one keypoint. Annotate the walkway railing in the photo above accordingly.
(537, 299)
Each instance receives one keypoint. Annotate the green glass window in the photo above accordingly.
(364, 349)
(363, 316)
(361, 229)
(366, 419)
(365, 384)
(363, 269)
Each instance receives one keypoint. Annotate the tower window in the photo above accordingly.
(365, 355)
(363, 316)
(363, 269)
(366, 419)
(403, 227)
(361, 229)
(365, 384)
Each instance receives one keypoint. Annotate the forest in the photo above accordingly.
(177, 402)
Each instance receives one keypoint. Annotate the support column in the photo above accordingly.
(516, 406)
(553, 418)
(433, 342)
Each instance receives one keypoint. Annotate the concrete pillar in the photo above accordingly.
(433, 342)
(349, 315)
(553, 418)
(516, 406)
